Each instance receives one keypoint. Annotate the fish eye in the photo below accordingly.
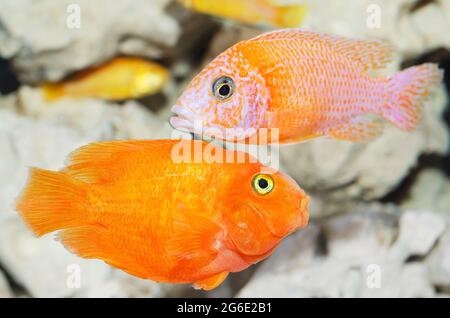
(223, 88)
(262, 184)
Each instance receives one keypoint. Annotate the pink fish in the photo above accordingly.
(305, 85)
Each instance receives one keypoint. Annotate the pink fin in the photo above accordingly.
(358, 129)
(372, 54)
(407, 91)
(293, 126)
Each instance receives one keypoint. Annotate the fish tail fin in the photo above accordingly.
(51, 201)
(407, 91)
(290, 16)
(52, 91)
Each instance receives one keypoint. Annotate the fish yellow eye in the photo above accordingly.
(262, 184)
(223, 88)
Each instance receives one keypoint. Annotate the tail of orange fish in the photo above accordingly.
(52, 91)
(51, 201)
(407, 91)
(290, 16)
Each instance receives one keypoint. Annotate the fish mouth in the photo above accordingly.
(298, 223)
(184, 118)
(187, 120)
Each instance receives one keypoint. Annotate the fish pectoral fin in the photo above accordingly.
(94, 241)
(362, 129)
(211, 282)
(283, 119)
(292, 127)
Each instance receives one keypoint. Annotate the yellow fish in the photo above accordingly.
(263, 12)
(120, 78)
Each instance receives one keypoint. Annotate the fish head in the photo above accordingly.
(265, 208)
(226, 100)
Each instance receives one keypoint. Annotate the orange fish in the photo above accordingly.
(120, 78)
(137, 207)
(302, 85)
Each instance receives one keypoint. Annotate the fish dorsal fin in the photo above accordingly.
(101, 161)
(372, 54)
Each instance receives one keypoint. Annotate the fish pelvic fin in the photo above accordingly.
(360, 128)
(293, 127)
(407, 91)
(51, 201)
(211, 282)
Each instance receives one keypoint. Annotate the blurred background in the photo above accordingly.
(380, 211)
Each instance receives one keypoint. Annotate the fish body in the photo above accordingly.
(303, 84)
(259, 12)
(119, 79)
(132, 205)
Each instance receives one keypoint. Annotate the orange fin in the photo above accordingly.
(211, 282)
(94, 241)
(51, 201)
(196, 236)
(360, 128)
(372, 54)
(408, 91)
(102, 161)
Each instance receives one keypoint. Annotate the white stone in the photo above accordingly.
(43, 45)
(410, 32)
(430, 190)
(358, 255)
(439, 262)
(418, 232)
(5, 291)
(339, 173)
